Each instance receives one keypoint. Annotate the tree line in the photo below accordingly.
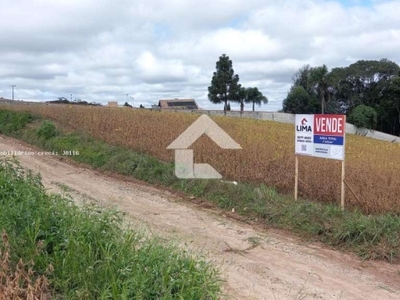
(367, 92)
(225, 87)
(63, 100)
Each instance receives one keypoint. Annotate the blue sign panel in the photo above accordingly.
(329, 140)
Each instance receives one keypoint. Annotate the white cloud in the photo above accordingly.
(103, 50)
(158, 70)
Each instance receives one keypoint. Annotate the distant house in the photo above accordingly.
(178, 104)
(113, 104)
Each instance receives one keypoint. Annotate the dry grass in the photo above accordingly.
(20, 282)
(372, 167)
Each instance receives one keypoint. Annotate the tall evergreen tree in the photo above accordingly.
(224, 84)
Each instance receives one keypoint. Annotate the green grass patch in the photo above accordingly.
(90, 255)
(376, 237)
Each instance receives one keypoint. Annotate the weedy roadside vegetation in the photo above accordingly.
(85, 252)
(19, 281)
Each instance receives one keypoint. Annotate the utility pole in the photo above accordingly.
(12, 89)
(132, 100)
(71, 97)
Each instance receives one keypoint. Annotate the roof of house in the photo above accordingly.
(178, 104)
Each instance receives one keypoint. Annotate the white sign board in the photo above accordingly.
(320, 136)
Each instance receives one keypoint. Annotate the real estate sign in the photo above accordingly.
(321, 136)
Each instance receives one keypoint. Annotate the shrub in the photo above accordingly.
(364, 117)
(47, 130)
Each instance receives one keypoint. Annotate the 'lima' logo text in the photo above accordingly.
(304, 126)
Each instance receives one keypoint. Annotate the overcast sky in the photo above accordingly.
(101, 50)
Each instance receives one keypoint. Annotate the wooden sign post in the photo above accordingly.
(296, 179)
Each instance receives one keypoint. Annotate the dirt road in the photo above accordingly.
(278, 267)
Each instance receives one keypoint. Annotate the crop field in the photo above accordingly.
(267, 157)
